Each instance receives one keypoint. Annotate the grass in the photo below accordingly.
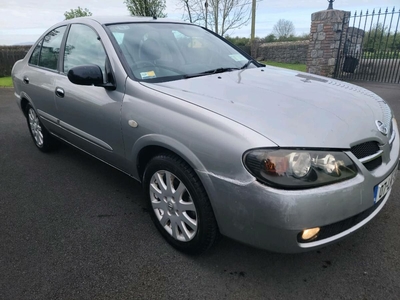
(297, 67)
(6, 82)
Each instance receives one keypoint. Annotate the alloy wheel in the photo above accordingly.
(173, 206)
(35, 127)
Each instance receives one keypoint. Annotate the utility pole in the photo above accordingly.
(206, 5)
(253, 19)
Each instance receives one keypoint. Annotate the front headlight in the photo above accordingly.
(299, 169)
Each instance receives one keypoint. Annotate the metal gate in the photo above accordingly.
(370, 47)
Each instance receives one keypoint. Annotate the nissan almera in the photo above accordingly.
(223, 145)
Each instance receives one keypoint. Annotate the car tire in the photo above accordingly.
(41, 137)
(179, 205)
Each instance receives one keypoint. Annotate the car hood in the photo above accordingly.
(293, 109)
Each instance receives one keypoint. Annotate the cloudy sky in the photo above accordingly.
(24, 21)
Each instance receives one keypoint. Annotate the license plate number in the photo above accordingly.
(381, 189)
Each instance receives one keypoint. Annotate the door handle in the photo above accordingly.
(26, 79)
(60, 92)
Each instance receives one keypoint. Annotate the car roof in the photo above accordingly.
(104, 20)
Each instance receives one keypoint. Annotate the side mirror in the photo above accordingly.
(88, 75)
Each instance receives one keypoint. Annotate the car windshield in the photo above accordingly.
(159, 52)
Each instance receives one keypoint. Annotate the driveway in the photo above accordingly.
(72, 227)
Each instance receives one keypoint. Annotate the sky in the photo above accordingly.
(23, 21)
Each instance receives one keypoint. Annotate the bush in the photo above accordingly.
(238, 41)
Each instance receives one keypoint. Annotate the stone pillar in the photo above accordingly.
(326, 35)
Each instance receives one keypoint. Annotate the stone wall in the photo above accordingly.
(285, 52)
(9, 55)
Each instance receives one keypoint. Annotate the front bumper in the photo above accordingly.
(272, 219)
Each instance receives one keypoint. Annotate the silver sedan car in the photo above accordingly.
(223, 145)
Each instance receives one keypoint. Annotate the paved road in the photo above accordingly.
(73, 228)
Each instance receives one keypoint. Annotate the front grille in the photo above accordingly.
(365, 149)
(336, 228)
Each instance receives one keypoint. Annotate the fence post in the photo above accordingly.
(326, 31)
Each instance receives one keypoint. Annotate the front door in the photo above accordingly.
(89, 116)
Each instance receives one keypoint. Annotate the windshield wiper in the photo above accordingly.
(246, 64)
(210, 72)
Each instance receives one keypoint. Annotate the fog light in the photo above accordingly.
(310, 233)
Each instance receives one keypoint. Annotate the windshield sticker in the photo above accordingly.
(148, 75)
(119, 36)
(238, 57)
(122, 27)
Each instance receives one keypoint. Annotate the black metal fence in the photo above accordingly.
(370, 47)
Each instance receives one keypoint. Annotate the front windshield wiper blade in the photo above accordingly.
(210, 72)
(246, 64)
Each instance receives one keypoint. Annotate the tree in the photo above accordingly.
(283, 29)
(147, 8)
(379, 42)
(194, 11)
(222, 15)
(270, 38)
(380, 38)
(78, 12)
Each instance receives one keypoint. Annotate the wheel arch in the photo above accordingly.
(24, 101)
(24, 104)
(151, 145)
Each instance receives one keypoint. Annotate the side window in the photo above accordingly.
(83, 47)
(51, 48)
(34, 59)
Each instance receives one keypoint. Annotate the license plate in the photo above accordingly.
(381, 189)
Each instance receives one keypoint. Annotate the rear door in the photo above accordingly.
(38, 75)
